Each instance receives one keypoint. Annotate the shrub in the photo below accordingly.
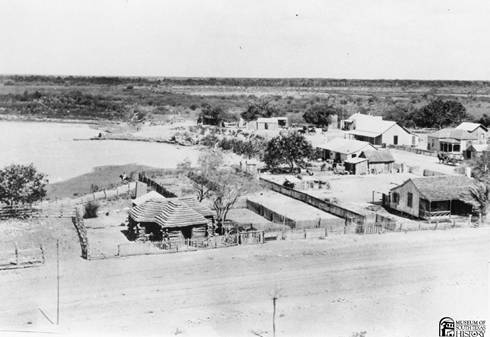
(91, 209)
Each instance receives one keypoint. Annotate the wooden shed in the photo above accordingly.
(356, 165)
(381, 161)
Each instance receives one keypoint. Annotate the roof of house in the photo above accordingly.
(371, 126)
(197, 206)
(470, 127)
(355, 160)
(443, 187)
(176, 213)
(458, 134)
(152, 195)
(148, 211)
(346, 146)
(381, 156)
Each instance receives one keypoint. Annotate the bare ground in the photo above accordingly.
(388, 285)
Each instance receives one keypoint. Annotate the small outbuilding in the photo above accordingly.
(381, 161)
(475, 151)
(356, 165)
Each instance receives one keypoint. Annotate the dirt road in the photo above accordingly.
(388, 285)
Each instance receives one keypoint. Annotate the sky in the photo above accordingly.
(416, 39)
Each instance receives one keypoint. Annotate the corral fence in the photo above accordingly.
(37, 211)
(362, 222)
(12, 257)
(155, 185)
(179, 245)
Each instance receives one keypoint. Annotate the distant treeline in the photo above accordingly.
(230, 81)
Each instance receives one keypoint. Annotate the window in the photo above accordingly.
(409, 199)
(354, 155)
(396, 198)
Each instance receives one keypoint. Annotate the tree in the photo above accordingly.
(258, 109)
(440, 113)
(21, 184)
(211, 115)
(480, 193)
(320, 115)
(291, 149)
(222, 186)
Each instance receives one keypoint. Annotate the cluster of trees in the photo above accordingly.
(21, 185)
(321, 114)
(437, 114)
(214, 115)
(260, 108)
(250, 148)
(290, 149)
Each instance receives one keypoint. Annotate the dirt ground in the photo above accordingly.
(387, 285)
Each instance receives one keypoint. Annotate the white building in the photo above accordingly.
(340, 149)
(262, 123)
(477, 129)
(376, 131)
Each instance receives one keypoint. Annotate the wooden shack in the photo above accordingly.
(381, 161)
(433, 198)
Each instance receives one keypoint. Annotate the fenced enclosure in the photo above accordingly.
(12, 256)
(179, 245)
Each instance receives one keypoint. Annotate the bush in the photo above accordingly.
(91, 209)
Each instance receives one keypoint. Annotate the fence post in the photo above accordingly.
(16, 254)
(42, 253)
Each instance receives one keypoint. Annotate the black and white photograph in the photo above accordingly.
(247, 168)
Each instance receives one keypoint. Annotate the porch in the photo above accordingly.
(441, 210)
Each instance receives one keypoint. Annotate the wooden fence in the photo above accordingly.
(335, 209)
(156, 186)
(12, 257)
(183, 245)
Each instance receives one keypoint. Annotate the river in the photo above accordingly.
(50, 146)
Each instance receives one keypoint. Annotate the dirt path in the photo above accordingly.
(388, 285)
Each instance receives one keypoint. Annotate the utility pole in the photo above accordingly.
(58, 282)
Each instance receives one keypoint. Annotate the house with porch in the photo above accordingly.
(376, 131)
(433, 198)
(451, 140)
(340, 149)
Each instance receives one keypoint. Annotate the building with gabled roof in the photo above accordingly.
(451, 140)
(341, 149)
(375, 130)
(477, 129)
(381, 161)
(433, 197)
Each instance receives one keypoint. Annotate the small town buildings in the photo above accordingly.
(434, 197)
(381, 161)
(375, 130)
(341, 149)
(451, 140)
(262, 123)
(477, 129)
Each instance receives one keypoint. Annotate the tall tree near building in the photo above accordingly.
(291, 149)
(440, 113)
(262, 108)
